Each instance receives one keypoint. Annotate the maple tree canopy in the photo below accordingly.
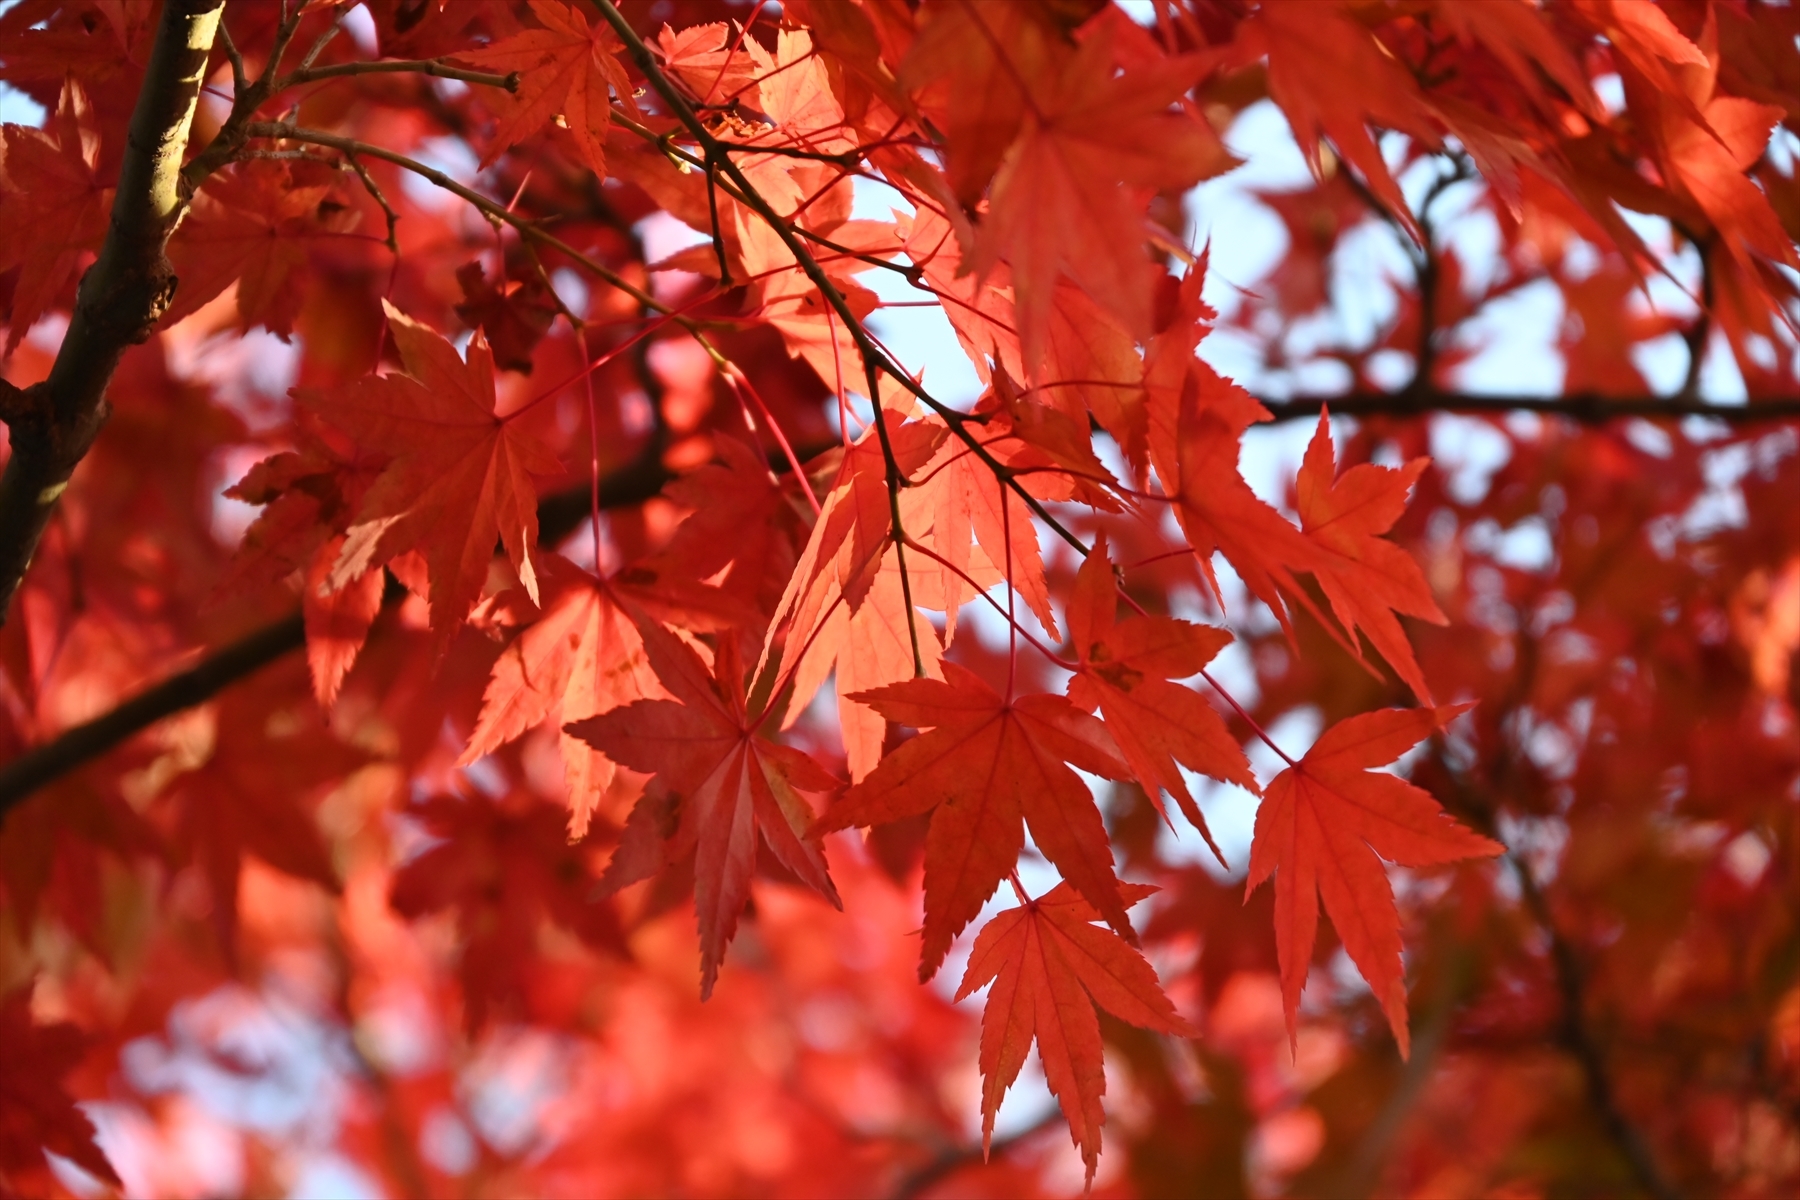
(517, 676)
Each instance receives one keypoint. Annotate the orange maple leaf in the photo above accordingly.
(850, 541)
(1050, 966)
(461, 476)
(979, 523)
(566, 70)
(712, 60)
(1322, 825)
(988, 766)
(1366, 578)
(729, 787)
(867, 648)
(1126, 672)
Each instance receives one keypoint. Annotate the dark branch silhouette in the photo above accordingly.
(1588, 408)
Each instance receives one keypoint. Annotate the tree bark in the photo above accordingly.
(120, 299)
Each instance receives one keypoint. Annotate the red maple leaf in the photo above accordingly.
(308, 496)
(713, 60)
(252, 225)
(988, 766)
(54, 852)
(582, 656)
(1333, 80)
(724, 787)
(746, 525)
(265, 762)
(504, 867)
(337, 622)
(36, 1114)
(566, 69)
(977, 62)
(1065, 197)
(1050, 966)
(1324, 826)
(513, 313)
(1126, 672)
(54, 206)
(461, 476)
(1198, 448)
(1367, 578)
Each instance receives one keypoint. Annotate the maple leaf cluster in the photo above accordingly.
(689, 679)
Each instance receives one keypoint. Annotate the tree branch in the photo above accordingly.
(74, 747)
(434, 67)
(1588, 408)
(1575, 1034)
(121, 297)
(954, 1158)
(245, 101)
(558, 514)
(1579, 1040)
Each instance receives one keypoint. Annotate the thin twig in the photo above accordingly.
(954, 1158)
(682, 158)
(276, 131)
(324, 39)
(848, 159)
(895, 481)
(1575, 1033)
(240, 79)
(1579, 1040)
(230, 139)
(1429, 276)
(324, 160)
(1588, 408)
(1696, 336)
(437, 68)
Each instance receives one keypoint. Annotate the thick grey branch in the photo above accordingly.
(120, 298)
